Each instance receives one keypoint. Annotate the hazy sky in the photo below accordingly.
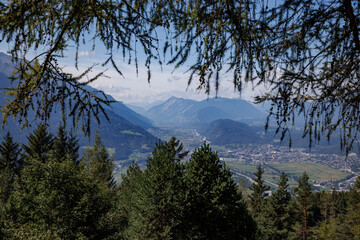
(135, 89)
(165, 82)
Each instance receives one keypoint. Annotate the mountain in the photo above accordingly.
(123, 131)
(137, 109)
(187, 112)
(124, 111)
(6, 66)
(226, 131)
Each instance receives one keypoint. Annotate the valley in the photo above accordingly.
(232, 127)
(326, 171)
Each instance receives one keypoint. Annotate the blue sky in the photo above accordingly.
(135, 89)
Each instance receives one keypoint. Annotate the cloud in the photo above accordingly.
(110, 88)
(86, 54)
(134, 88)
(173, 78)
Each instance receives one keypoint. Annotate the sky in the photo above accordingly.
(132, 88)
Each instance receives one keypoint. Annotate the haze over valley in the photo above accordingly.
(233, 127)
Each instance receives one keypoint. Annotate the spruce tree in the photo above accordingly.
(99, 164)
(157, 205)
(214, 208)
(352, 217)
(10, 165)
(40, 142)
(303, 194)
(65, 143)
(57, 199)
(258, 195)
(278, 218)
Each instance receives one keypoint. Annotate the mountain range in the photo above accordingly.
(186, 112)
(124, 131)
(226, 131)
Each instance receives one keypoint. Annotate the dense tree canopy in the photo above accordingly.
(303, 51)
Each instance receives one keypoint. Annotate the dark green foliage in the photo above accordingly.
(258, 195)
(352, 220)
(10, 166)
(157, 201)
(99, 164)
(303, 194)
(168, 200)
(277, 220)
(65, 144)
(214, 209)
(57, 197)
(40, 142)
(130, 182)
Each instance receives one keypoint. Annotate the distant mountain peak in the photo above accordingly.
(186, 111)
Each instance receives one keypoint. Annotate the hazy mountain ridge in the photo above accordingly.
(124, 111)
(226, 131)
(186, 111)
(124, 130)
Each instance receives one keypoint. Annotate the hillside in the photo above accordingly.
(189, 112)
(226, 131)
(123, 131)
(126, 112)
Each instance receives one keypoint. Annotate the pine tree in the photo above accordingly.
(156, 210)
(303, 194)
(278, 218)
(131, 181)
(57, 199)
(40, 142)
(10, 165)
(352, 217)
(258, 195)
(65, 143)
(214, 208)
(99, 164)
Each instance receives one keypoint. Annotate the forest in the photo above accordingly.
(48, 190)
(307, 54)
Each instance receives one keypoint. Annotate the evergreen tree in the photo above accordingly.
(10, 165)
(278, 219)
(214, 208)
(57, 199)
(40, 142)
(131, 181)
(303, 194)
(99, 164)
(65, 143)
(156, 210)
(258, 195)
(352, 217)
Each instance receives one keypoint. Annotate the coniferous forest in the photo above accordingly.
(49, 191)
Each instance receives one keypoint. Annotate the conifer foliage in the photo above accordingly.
(66, 144)
(214, 209)
(278, 216)
(303, 193)
(156, 210)
(40, 142)
(55, 198)
(98, 162)
(10, 165)
(258, 194)
(172, 200)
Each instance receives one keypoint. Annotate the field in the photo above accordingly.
(294, 170)
(316, 172)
